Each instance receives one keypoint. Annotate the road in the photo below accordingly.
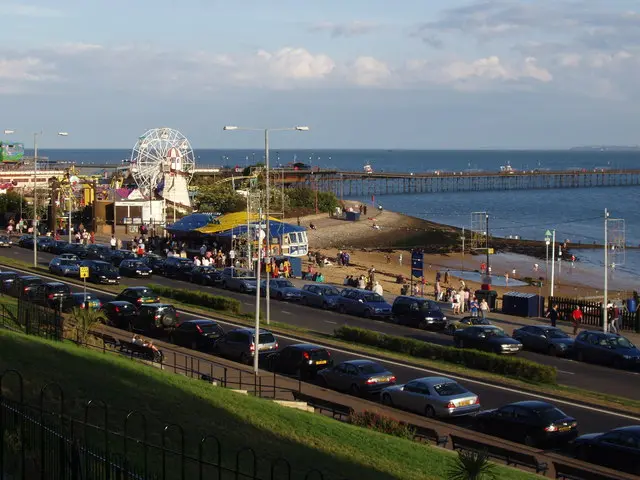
(590, 419)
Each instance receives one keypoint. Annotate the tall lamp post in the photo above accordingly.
(605, 300)
(547, 241)
(35, 194)
(267, 258)
(553, 262)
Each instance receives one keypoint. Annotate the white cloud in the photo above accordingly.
(296, 64)
(369, 71)
(350, 29)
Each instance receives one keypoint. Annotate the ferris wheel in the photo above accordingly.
(159, 152)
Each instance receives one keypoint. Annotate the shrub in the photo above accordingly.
(197, 298)
(491, 362)
(380, 423)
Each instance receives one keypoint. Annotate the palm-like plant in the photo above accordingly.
(85, 319)
(472, 465)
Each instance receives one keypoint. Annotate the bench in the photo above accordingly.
(337, 410)
(429, 434)
(510, 457)
(569, 472)
(134, 350)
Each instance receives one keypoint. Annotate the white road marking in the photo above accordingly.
(286, 313)
(329, 321)
(564, 371)
(398, 364)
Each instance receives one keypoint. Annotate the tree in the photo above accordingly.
(10, 202)
(472, 466)
(221, 198)
(85, 319)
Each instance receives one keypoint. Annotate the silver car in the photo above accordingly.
(433, 397)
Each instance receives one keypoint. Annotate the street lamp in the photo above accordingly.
(268, 200)
(547, 241)
(553, 261)
(605, 300)
(35, 194)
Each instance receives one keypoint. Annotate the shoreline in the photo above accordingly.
(442, 244)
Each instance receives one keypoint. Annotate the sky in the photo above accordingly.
(415, 74)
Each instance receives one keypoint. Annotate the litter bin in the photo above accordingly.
(631, 305)
(489, 295)
(352, 216)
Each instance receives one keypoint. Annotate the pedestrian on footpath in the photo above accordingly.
(553, 315)
(113, 242)
(474, 306)
(576, 319)
(614, 318)
(484, 308)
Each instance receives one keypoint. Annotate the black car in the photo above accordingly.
(51, 294)
(607, 349)
(45, 243)
(5, 241)
(101, 272)
(301, 360)
(138, 296)
(207, 275)
(176, 267)
(98, 252)
(58, 247)
(198, 334)
(6, 281)
(418, 313)
(83, 300)
(531, 422)
(153, 261)
(22, 285)
(544, 338)
(25, 241)
(119, 313)
(486, 337)
(154, 318)
(134, 268)
(618, 449)
(77, 249)
(117, 256)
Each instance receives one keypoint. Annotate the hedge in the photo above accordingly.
(490, 362)
(197, 298)
(380, 423)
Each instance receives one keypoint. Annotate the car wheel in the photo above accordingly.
(429, 412)
(552, 351)
(580, 357)
(459, 343)
(497, 350)
(422, 325)
(172, 339)
(298, 373)
(386, 400)
(582, 453)
(342, 310)
(354, 390)
(450, 329)
(224, 285)
(243, 289)
(529, 441)
(617, 363)
(278, 296)
(322, 382)
(366, 313)
(244, 358)
(194, 345)
(303, 301)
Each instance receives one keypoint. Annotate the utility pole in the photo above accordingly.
(267, 230)
(553, 261)
(256, 336)
(605, 301)
(462, 238)
(487, 244)
(35, 200)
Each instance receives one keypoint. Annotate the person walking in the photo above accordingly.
(474, 306)
(113, 242)
(614, 318)
(484, 308)
(576, 319)
(552, 314)
(446, 277)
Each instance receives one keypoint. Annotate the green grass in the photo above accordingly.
(605, 400)
(306, 440)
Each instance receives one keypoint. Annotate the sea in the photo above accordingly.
(575, 215)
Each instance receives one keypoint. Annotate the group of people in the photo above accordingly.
(614, 312)
(363, 282)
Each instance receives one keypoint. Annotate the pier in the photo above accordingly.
(344, 183)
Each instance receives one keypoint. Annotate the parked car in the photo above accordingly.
(363, 303)
(101, 272)
(238, 279)
(199, 334)
(138, 296)
(99, 252)
(239, 344)
(119, 313)
(45, 243)
(77, 249)
(357, 377)
(5, 242)
(544, 338)
(6, 280)
(54, 295)
(176, 267)
(134, 268)
(117, 256)
(206, 275)
(486, 337)
(432, 397)
(153, 318)
(65, 267)
(24, 240)
(68, 256)
(418, 313)
(153, 261)
(281, 289)
(531, 422)
(618, 448)
(23, 284)
(301, 360)
(321, 296)
(607, 349)
(58, 247)
(462, 323)
(81, 300)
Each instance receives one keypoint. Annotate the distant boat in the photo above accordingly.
(367, 168)
(507, 168)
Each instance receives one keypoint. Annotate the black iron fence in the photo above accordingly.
(41, 443)
(592, 313)
(32, 319)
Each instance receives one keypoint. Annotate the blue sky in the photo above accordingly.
(360, 73)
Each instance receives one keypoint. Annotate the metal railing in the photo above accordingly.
(592, 313)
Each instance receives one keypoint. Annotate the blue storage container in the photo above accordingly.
(352, 216)
(632, 306)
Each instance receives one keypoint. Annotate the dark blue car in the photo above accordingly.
(321, 296)
(281, 289)
(544, 338)
(607, 349)
(363, 303)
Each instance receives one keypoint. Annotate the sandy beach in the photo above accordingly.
(397, 234)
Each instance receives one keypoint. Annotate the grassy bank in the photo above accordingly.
(306, 440)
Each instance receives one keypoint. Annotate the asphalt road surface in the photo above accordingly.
(570, 373)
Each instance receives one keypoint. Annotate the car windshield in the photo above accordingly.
(319, 354)
(284, 283)
(144, 292)
(373, 297)
(448, 389)
(266, 338)
(371, 368)
(426, 306)
(59, 289)
(330, 291)
(620, 342)
(102, 268)
(494, 332)
(550, 415)
(68, 262)
(555, 333)
(137, 265)
(242, 274)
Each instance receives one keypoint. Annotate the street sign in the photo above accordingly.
(84, 272)
(547, 233)
(417, 263)
(491, 251)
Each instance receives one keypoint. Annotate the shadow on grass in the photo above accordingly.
(305, 440)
